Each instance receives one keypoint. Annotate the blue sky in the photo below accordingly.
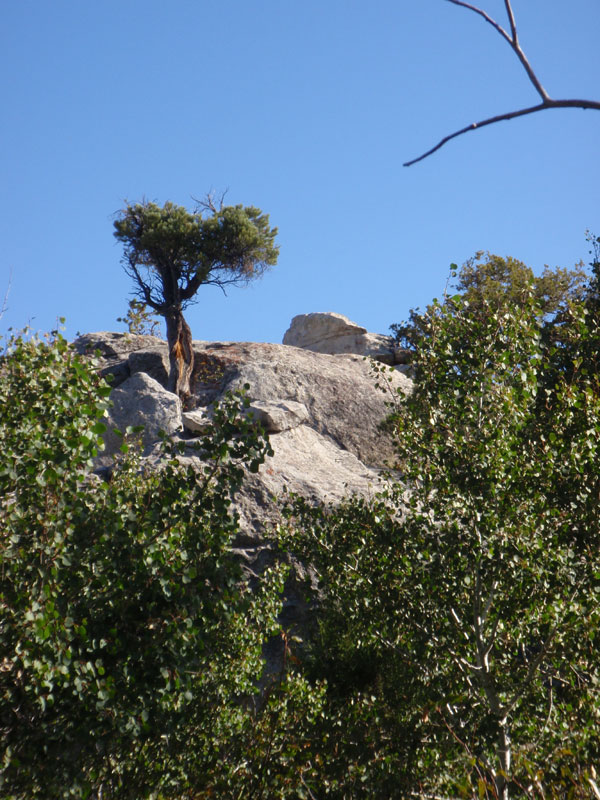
(307, 110)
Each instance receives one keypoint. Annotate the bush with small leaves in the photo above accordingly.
(131, 648)
(140, 320)
(466, 598)
(488, 282)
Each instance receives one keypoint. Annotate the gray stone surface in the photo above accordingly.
(331, 333)
(115, 345)
(153, 361)
(304, 463)
(307, 330)
(280, 416)
(114, 350)
(338, 392)
(140, 400)
(322, 413)
(196, 421)
(307, 463)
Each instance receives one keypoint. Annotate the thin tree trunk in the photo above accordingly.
(181, 354)
(504, 756)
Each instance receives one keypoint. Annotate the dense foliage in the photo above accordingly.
(130, 648)
(466, 598)
(487, 281)
(452, 648)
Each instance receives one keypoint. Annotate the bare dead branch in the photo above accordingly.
(511, 19)
(513, 41)
(4, 307)
(143, 291)
(486, 17)
(212, 202)
(585, 104)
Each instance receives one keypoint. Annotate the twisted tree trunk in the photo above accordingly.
(181, 354)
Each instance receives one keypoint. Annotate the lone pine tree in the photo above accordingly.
(170, 252)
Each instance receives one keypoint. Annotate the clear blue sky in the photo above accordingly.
(307, 110)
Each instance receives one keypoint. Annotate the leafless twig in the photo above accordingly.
(213, 202)
(306, 786)
(4, 306)
(513, 40)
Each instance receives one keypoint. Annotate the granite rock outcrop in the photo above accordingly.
(328, 332)
(322, 412)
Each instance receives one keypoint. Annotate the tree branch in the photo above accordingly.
(144, 292)
(511, 19)
(531, 671)
(479, 759)
(4, 307)
(513, 41)
(212, 202)
(594, 788)
(486, 17)
(585, 104)
(194, 283)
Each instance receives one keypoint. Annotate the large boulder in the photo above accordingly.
(153, 361)
(303, 463)
(280, 416)
(140, 400)
(307, 330)
(114, 350)
(322, 413)
(331, 333)
(338, 392)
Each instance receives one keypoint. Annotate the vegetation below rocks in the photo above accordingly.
(452, 649)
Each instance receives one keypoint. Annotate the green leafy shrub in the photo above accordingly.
(131, 648)
(466, 598)
(487, 282)
(140, 320)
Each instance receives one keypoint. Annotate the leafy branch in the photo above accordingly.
(547, 102)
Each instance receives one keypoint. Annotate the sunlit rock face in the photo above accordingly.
(328, 332)
(322, 413)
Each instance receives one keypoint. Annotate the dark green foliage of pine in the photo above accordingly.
(170, 252)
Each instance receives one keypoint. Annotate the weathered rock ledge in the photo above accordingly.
(322, 412)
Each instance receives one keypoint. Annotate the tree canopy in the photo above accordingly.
(170, 252)
(488, 282)
(466, 597)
